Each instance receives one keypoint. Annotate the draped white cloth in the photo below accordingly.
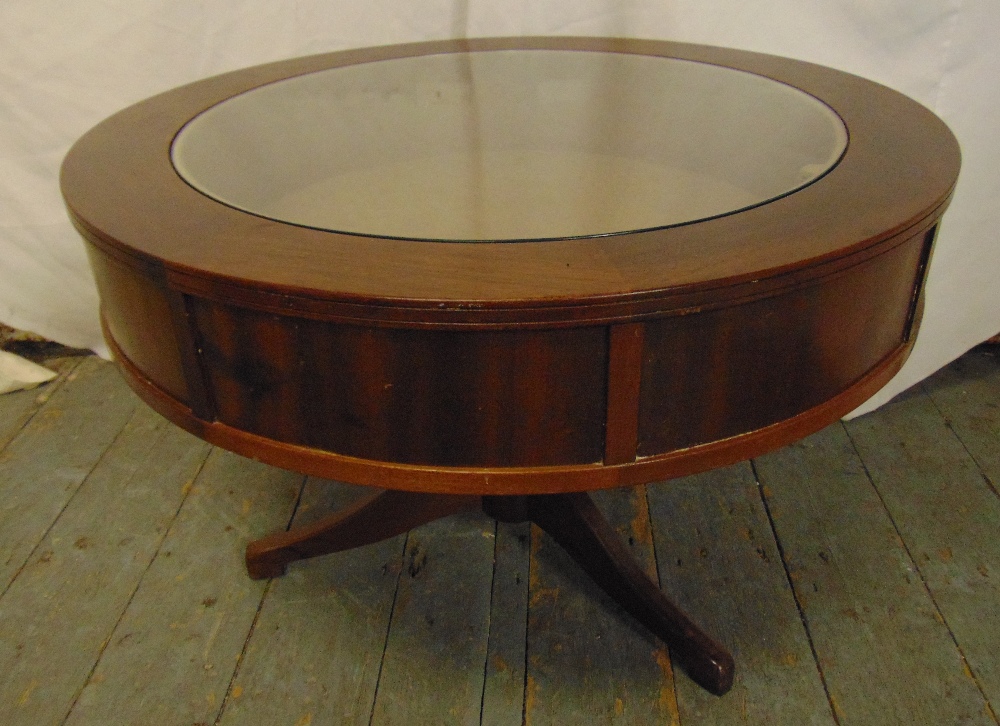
(65, 66)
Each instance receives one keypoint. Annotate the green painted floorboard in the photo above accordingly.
(503, 689)
(59, 614)
(45, 463)
(435, 655)
(885, 653)
(948, 515)
(173, 654)
(315, 650)
(17, 407)
(719, 562)
(588, 660)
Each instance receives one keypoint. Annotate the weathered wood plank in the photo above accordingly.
(886, 656)
(17, 408)
(435, 655)
(57, 615)
(949, 517)
(316, 648)
(588, 661)
(719, 561)
(173, 655)
(45, 463)
(967, 393)
(503, 691)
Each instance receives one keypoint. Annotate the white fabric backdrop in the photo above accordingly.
(65, 66)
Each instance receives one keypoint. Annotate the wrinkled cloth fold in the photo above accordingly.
(17, 373)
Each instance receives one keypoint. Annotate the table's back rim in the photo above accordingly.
(897, 173)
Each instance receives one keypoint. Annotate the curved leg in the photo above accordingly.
(379, 516)
(576, 524)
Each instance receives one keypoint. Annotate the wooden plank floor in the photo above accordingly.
(855, 575)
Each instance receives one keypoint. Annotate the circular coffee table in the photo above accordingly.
(501, 273)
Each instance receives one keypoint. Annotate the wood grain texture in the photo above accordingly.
(44, 465)
(948, 514)
(625, 350)
(468, 398)
(869, 613)
(736, 369)
(191, 610)
(513, 480)
(588, 661)
(315, 650)
(717, 558)
(967, 393)
(18, 407)
(67, 600)
(503, 689)
(136, 311)
(435, 656)
(575, 523)
(383, 514)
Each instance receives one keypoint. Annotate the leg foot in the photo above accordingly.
(576, 524)
(379, 516)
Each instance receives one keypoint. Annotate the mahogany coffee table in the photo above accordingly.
(502, 273)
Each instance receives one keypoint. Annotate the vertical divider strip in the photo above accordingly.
(917, 304)
(621, 432)
(189, 341)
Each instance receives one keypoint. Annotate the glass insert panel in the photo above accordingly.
(509, 145)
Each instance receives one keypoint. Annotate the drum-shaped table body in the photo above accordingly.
(509, 271)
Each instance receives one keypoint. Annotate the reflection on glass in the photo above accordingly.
(509, 145)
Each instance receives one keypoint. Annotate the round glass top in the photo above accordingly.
(509, 145)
